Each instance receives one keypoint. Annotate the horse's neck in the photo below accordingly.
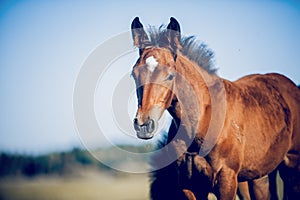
(192, 104)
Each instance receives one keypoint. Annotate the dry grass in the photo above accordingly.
(91, 186)
(87, 185)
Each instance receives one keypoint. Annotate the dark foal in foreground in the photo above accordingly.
(191, 176)
(242, 130)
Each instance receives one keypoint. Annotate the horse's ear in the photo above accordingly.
(139, 35)
(174, 34)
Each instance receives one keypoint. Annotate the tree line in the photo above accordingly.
(55, 163)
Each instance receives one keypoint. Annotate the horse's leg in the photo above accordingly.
(243, 191)
(273, 185)
(259, 188)
(189, 194)
(227, 184)
(289, 171)
(263, 188)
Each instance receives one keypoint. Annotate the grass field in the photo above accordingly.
(90, 186)
(87, 184)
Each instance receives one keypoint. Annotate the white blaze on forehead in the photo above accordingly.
(151, 63)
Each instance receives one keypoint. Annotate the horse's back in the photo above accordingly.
(278, 87)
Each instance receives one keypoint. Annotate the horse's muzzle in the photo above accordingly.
(145, 131)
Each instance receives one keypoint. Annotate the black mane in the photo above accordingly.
(191, 48)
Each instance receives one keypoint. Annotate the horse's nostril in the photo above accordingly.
(150, 126)
(136, 125)
(150, 122)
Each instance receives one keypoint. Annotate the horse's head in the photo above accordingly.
(154, 74)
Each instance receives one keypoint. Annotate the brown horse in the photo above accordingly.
(244, 129)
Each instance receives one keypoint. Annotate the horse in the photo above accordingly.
(243, 130)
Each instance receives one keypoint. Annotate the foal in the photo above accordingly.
(243, 129)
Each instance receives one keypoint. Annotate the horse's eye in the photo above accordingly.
(170, 77)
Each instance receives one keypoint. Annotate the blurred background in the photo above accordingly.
(43, 45)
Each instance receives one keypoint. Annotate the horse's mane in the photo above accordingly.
(191, 48)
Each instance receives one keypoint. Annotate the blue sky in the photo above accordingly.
(43, 45)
